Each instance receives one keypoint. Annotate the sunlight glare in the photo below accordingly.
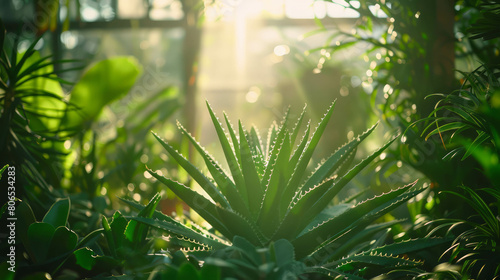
(137, 197)
(281, 50)
(131, 9)
(69, 39)
(305, 9)
(274, 8)
(67, 144)
(350, 135)
(253, 95)
(89, 14)
(166, 9)
(337, 9)
(355, 81)
(89, 166)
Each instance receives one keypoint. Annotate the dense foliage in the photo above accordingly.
(268, 211)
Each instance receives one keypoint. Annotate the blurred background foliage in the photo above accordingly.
(251, 65)
(93, 78)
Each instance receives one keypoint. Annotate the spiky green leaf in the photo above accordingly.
(204, 207)
(252, 180)
(335, 161)
(234, 166)
(359, 216)
(408, 246)
(234, 138)
(269, 213)
(313, 201)
(225, 184)
(195, 173)
(296, 177)
(181, 231)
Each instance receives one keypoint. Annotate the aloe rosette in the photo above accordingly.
(267, 196)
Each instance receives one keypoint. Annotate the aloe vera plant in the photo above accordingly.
(269, 196)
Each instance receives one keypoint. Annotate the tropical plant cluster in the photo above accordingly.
(267, 210)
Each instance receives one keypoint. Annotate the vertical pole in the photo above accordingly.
(444, 46)
(191, 56)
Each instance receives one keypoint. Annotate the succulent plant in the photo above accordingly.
(269, 197)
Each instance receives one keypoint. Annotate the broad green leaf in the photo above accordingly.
(90, 237)
(58, 213)
(167, 102)
(63, 242)
(282, 252)
(210, 272)
(188, 271)
(85, 258)
(248, 249)
(104, 82)
(118, 226)
(39, 237)
(135, 232)
(25, 218)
